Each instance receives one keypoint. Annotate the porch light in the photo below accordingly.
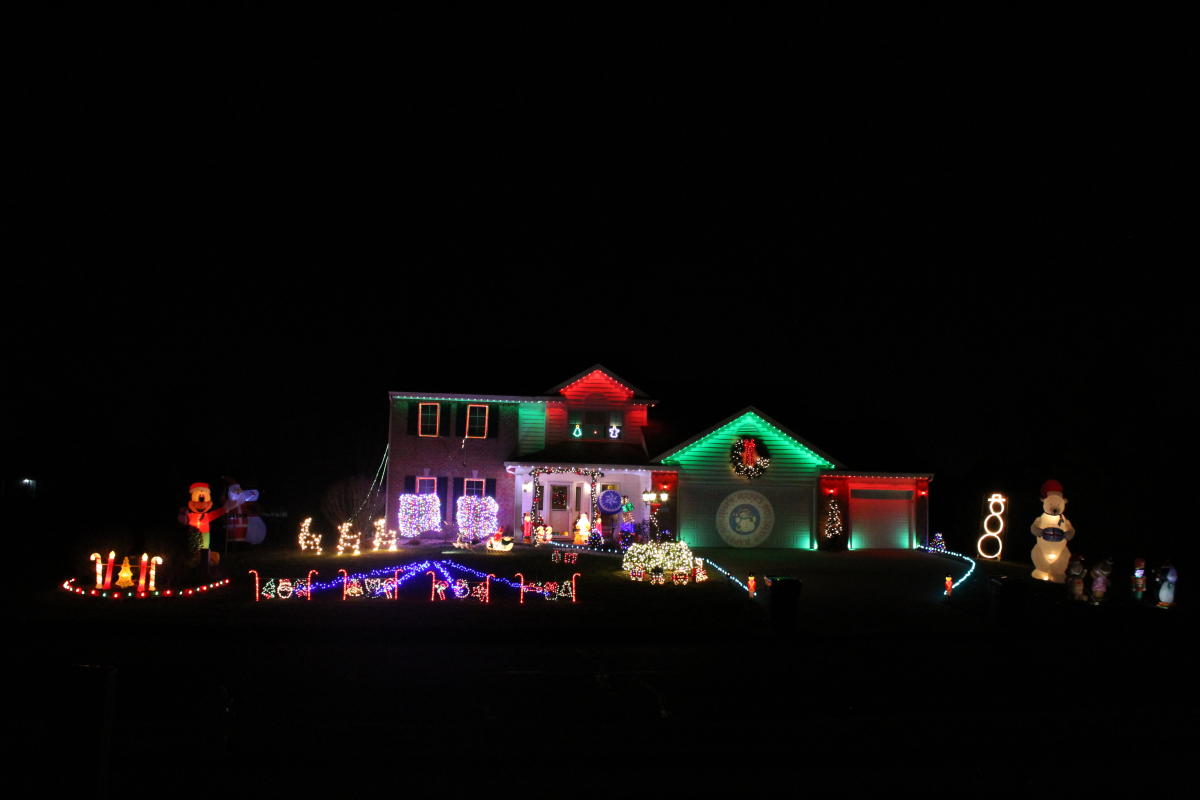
(663, 496)
(649, 496)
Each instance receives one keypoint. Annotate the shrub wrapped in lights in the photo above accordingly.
(419, 513)
(476, 517)
(661, 558)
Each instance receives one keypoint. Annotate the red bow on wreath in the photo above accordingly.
(749, 452)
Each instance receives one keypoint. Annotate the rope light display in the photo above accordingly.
(953, 554)
(476, 517)
(193, 591)
(997, 505)
(419, 513)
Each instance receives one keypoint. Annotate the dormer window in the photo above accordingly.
(595, 425)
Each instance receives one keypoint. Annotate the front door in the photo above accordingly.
(559, 515)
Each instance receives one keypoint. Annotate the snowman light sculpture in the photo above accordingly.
(1052, 531)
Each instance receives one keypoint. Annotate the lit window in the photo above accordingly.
(475, 487)
(477, 422)
(430, 419)
(426, 485)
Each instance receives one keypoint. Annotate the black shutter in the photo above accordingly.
(410, 484)
(443, 490)
(444, 423)
(493, 421)
(489, 487)
(460, 421)
(414, 410)
(456, 492)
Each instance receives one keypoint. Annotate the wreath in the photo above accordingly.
(749, 457)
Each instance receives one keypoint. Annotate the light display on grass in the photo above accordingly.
(938, 543)
(419, 513)
(282, 588)
(550, 590)
(658, 559)
(476, 517)
(993, 527)
(147, 572)
(383, 539)
(348, 539)
(125, 576)
(309, 541)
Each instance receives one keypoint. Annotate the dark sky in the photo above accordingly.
(225, 252)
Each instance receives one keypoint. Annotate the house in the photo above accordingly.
(747, 481)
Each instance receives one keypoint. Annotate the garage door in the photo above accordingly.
(880, 518)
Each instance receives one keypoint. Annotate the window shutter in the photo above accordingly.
(456, 492)
(460, 420)
(444, 425)
(443, 490)
(489, 487)
(493, 422)
(410, 484)
(414, 409)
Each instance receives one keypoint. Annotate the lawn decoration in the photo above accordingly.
(527, 527)
(938, 544)
(751, 586)
(476, 517)
(543, 534)
(993, 526)
(1166, 590)
(308, 539)
(583, 529)
(1076, 572)
(1100, 572)
(949, 585)
(384, 539)
(834, 526)
(748, 457)
(499, 543)
(549, 590)
(200, 516)
(566, 557)
(699, 573)
(243, 523)
(596, 537)
(658, 559)
(419, 513)
(282, 588)
(1052, 531)
(347, 539)
(1137, 585)
(147, 581)
(461, 588)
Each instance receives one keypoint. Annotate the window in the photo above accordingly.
(475, 487)
(430, 419)
(426, 485)
(588, 425)
(477, 422)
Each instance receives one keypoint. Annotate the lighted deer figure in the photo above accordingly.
(308, 539)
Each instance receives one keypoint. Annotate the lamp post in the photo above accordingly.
(655, 500)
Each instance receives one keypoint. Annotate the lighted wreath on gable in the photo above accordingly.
(749, 457)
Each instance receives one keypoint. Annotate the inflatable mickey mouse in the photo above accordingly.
(1052, 531)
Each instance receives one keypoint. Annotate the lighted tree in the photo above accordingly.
(833, 519)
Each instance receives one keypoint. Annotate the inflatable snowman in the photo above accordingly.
(1052, 531)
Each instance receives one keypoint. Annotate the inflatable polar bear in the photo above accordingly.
(1053, 531)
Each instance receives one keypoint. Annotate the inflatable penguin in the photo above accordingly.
(1052, 531)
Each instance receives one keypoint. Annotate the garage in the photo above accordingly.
(879, 511)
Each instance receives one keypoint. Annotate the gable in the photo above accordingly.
(711, 448)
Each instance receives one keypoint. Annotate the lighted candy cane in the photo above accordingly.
(311, 572)
(574, 588)
(99, 569)
(522, 577)
(345, 575)
(254, 572)
(437, 587)
(996, 514)
(487, 590)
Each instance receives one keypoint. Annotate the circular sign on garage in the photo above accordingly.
(745, 519)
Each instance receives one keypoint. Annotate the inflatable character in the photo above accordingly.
(527, 527)
(1166, 589)
(583, 529)
(1100, 573)
(1137, 585)
(200, 515)
(1075, 575)
(243, 523)
(1052, 531)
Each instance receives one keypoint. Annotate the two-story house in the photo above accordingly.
(552, 454)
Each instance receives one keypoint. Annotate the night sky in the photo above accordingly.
(222, 260)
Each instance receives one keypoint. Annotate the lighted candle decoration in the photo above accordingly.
(997, 504)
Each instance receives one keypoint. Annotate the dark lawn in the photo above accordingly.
(885, 685)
